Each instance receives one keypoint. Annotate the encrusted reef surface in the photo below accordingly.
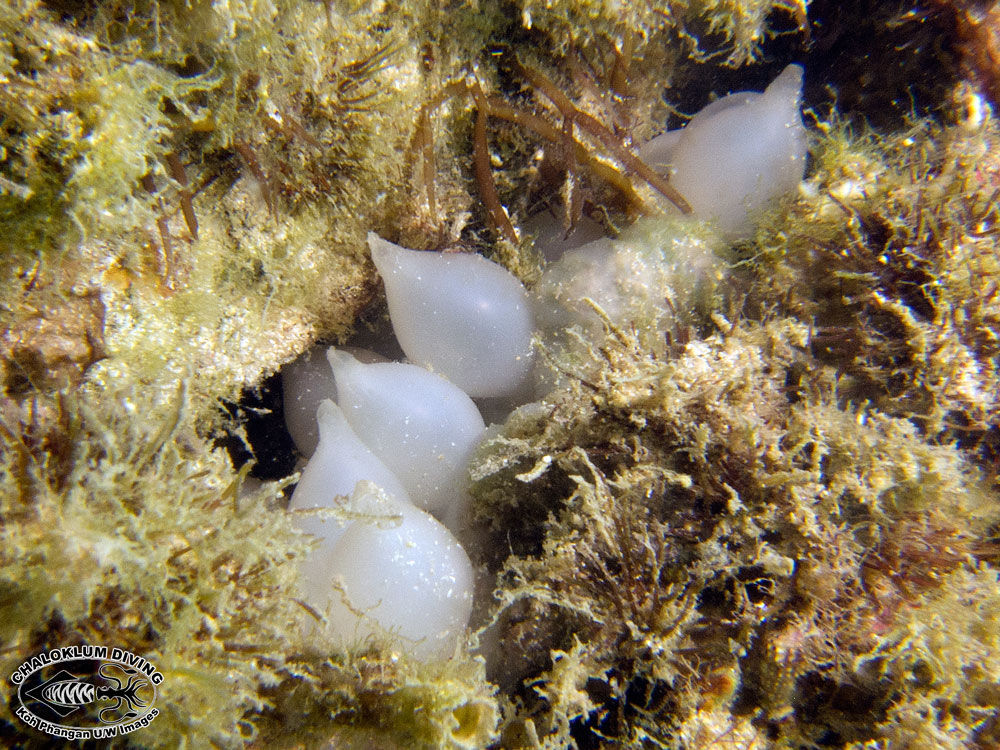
(773, 524)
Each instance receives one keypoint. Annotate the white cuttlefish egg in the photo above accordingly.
(395, 570)
(383, 566)
(459, 315)
(339, 462)
(658, 270)
(737, 154)
(305, 383)
(421, 426)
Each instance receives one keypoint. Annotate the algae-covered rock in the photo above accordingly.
(759, 510)
(694, 532)
(128, 532)
(890, 252)
(133, 532)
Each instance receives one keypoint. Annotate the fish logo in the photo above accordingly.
(86, 692)
(65, 693)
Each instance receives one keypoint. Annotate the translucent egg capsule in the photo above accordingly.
(737, 154)
(746, 150)
(340, 461)
(393, 572)
(459, 315)
(305, 383)
(421, 426)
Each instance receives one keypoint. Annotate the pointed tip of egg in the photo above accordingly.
(327, 410)
(329, 416)
(460, 315)
(340, 361)
(381, 252)
(788, 82)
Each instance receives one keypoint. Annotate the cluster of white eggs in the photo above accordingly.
(389, 561)
(395, 438)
